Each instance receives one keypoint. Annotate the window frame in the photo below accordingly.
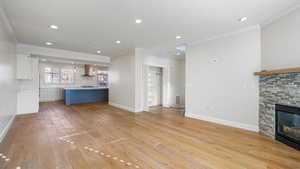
(73, 74)
(59, 74)
(100, 73)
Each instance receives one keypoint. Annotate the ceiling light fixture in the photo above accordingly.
(49, 43)
(178, 53)
(118, 41)
(138, 21)
(98, 51)
(243, 19)
(53, 26)
(178, 37)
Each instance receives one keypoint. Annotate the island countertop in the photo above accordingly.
(85, 88)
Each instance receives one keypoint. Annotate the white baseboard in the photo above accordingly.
(224, 122)
(138, 110)
(178, 106)
(6, 128)
(122, 107)
(26, 113)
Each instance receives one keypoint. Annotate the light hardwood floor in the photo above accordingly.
(99, 136)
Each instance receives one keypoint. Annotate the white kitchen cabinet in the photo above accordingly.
(28, 92)
(24, 67)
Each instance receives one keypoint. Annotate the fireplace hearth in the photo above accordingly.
(287, 126)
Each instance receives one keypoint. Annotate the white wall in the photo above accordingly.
(138, 78)
(280, 42)
(121, 82)
(127, 80)
(8, 83)
(177, 82)
(220, 85)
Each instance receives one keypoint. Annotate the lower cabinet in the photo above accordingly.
(75, 96)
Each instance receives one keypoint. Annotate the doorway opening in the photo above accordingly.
(163, 81)
(155, 86)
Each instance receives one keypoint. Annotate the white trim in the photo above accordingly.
(122, 106)
(178, 106)
(224, 122)
(165, 87)
(280, 15)
(8, 24)
(224, 35)
(138, 110)
(6, 128)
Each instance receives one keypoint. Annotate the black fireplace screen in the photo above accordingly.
(288, 125)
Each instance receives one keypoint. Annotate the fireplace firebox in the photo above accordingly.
(288, 125)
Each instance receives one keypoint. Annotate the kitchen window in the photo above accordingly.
(102, 77)
(54, 75)
(67, 76)
(51, 75)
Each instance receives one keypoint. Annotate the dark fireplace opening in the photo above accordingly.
(288, 125)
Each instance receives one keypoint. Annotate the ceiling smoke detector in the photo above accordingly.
(243, 19)
(49, 43)
(138, 21)
(53, 27)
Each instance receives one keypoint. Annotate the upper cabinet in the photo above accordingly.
(24, 67)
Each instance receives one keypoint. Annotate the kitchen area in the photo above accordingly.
(72, 82)
(49, 75)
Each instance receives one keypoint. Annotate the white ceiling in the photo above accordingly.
(90, 25)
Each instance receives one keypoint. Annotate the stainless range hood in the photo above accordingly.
(88, 71)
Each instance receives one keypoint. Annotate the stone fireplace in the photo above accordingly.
(281, 89)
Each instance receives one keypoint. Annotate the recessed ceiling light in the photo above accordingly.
(178, 53)
(178, 37)
(118, 41)
(49, 43)
(243, 19)
(53, 26)
(98, 51)
(138, 21)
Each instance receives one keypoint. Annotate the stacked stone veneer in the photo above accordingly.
(276, 89)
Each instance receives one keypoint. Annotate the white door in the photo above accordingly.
(154, 86)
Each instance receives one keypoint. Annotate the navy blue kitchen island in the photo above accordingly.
(85, 95)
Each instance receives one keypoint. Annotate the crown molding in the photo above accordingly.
(225, 35)
(279, 15)
(7, 23)
(60, 53)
